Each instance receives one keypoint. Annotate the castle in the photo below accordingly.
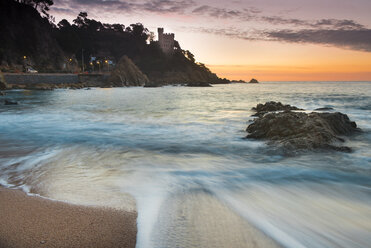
(166, 41)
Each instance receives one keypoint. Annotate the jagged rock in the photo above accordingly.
(9, 102)
(126, 73)
(262, 109)
(2, 93)
(302, 131)
(253, 81)
(199, 84)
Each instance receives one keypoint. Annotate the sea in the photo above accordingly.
(178, 156)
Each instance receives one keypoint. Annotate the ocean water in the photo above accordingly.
(178, 157)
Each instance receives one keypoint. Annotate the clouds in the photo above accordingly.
(153, 6)
(355, 39)
(248, 23)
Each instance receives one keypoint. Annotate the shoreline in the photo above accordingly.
(33, 221)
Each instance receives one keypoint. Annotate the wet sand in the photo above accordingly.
(31, 221)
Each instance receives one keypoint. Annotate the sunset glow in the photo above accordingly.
(271, 40)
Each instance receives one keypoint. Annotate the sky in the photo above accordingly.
(271, 40)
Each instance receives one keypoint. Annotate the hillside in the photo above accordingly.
(25, 33)
(89, 44)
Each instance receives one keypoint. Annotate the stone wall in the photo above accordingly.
(44, 78)
(89, 80)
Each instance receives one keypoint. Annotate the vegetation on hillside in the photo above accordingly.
(30, 38)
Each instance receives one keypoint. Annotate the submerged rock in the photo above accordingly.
(9, 102)
(253, 81)
(262, 109)
(302, 131)
(199, 84)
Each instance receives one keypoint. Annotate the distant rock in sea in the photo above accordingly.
(238, 82)
(302, 131)
(253, 81)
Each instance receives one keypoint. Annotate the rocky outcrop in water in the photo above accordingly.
(253, 81)
(262, 109)
(126, 73)
(302, 131)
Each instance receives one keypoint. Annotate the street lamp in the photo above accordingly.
(98, 65)
(107, 64)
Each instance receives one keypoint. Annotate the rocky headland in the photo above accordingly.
(300, 131)
(30, 40)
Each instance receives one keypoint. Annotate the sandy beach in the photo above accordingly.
(31, 221)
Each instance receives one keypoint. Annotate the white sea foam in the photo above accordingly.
(176, 155)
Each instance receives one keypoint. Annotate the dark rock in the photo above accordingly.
(199, 84)
(253, 81)
(39, 87)
(302, 131)
(324, 109)
(2, 93)
(9, 102)
(152, 85)
(3, 85)
(88, 89)
(262, 109)
(126, 73)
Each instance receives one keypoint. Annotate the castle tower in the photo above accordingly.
(166, 41)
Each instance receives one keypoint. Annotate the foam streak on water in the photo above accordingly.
(176, 155)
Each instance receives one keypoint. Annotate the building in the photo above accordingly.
(166, 41)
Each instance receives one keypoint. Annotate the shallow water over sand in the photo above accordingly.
(177, 155)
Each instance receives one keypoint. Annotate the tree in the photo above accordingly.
(43, 6)
(40, 5)
(80, 20)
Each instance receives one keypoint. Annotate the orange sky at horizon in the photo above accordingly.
(277, 61)
(231, 37)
